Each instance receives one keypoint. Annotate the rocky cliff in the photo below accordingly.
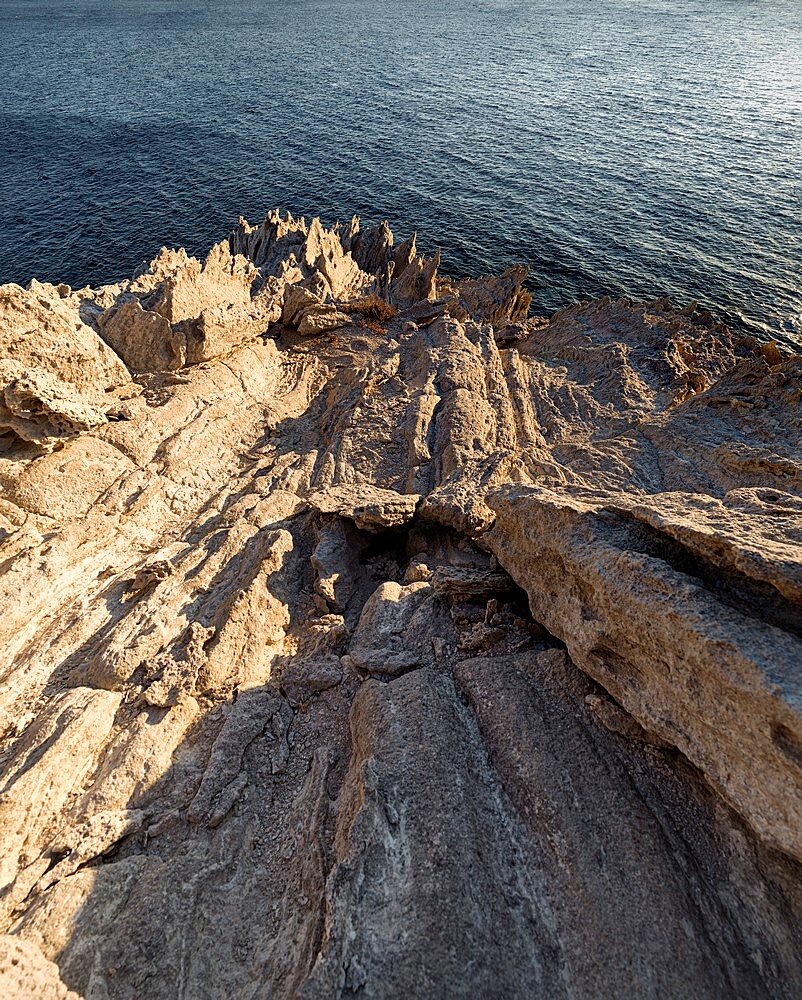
(363, 636)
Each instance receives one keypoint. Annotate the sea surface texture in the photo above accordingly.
(618, 148)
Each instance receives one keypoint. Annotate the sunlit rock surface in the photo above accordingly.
(362, 636)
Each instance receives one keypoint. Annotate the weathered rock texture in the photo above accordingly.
(364, 637)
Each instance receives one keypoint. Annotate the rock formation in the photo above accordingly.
(363, 636)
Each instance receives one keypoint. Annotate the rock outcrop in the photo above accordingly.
(55, 372)
(363, 636)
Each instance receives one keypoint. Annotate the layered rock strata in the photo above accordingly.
(364, 636)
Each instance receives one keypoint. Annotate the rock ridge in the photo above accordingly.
(364, 635)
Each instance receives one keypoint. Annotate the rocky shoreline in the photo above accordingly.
(365, 636)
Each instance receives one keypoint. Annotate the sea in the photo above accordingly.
(617, 147)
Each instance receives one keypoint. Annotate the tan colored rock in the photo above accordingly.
(381, 645)
(455, 654)
(192, 287)
(303, 309)
(223, 327)
(42, 331)
(701, 652)
(182, 312)
(335, 560)
(39, 407)
(367, 506)
(26, 973)
(53, 758)
(54, 370)
(95, 837)
(470, 581)
(324, 252)
(66, 483)
(271, 244)
(495, 300)
(303, 680)
(143, 338)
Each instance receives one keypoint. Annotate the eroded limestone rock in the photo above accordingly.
(367, 506)
(418, 650)
(55, 371)
(25, 972)
(673, 620)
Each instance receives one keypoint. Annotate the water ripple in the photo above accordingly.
(621, 147)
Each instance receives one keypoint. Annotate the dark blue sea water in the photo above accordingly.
(616, 146)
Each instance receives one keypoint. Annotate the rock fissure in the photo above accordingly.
(747, 595)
